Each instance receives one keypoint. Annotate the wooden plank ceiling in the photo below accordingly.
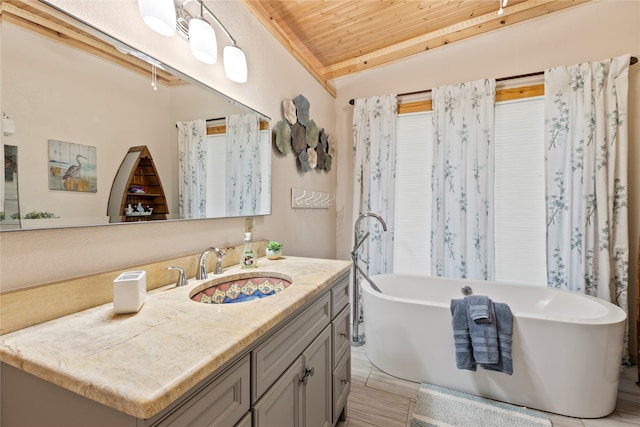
(334, 38)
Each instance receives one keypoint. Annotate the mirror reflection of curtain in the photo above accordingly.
(192, 171)
(244, 178)
(462, 241)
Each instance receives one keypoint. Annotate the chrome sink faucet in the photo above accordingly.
(202, 263)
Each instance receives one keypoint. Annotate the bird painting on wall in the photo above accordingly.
(74, 170)
(72, 167)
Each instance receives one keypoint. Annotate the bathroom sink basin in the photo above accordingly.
(240, 287)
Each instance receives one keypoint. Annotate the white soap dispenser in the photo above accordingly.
(248, 259)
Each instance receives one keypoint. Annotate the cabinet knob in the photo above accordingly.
(307, 373)
(343, 381)
(343, 335)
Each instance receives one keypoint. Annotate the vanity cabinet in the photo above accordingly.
(296, 375)
(305, 366)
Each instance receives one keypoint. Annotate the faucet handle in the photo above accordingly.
(182, 277)
(219, 254)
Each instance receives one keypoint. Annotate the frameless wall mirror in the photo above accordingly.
(80, 100)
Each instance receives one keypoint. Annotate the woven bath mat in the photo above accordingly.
(439, 406)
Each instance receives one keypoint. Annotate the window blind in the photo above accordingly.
(519, 192)
(520, 238)
(414, 153)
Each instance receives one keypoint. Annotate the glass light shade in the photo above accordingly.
(202, 40)
(235, 64)
(159, 15)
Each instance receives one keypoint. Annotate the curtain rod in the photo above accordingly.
(632, 60)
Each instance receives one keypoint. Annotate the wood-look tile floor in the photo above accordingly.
(381, 400)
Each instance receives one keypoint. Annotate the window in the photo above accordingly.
(414, 153)
(519, 192)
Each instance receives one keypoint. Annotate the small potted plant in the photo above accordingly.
(274, 250)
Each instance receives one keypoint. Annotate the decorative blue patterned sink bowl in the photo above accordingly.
(241, 287)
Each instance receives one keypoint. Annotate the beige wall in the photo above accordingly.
(588, 32)
(35, 257)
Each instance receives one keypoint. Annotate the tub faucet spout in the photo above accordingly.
(371, 214)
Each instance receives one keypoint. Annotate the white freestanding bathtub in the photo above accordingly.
(567, 347)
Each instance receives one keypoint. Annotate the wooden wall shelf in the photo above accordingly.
(137, 171)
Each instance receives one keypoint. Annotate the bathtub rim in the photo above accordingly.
(613, 315)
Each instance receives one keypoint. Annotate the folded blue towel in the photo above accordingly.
(480, 342)
(479, 307)
(484, 338)
(461, 337)
(504, 319)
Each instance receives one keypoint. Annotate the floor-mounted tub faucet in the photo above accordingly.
(357, 339)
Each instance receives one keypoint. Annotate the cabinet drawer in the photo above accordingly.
(219, 404)
(341, 385)
(272, 357)
(340, 296)
(340, 342)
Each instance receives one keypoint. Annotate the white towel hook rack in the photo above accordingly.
(308, 199)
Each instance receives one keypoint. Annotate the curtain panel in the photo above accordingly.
(192, 170)
(462, 236)
(374, 165)
(244, 180)
(586, 160)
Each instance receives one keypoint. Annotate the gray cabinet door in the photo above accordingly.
(281, 405)
(317, 393)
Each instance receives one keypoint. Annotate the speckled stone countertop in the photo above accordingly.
(140, 363)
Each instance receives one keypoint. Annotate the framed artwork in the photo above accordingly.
(72, 167)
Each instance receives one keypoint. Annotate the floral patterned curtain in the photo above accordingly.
(374, 165)
(243, 164)
(192, 171)
(586, 141)
(462, 240)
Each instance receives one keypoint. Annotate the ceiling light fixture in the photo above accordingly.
(503, 4)
(202, 38)
(159, 15)
(235, 64)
